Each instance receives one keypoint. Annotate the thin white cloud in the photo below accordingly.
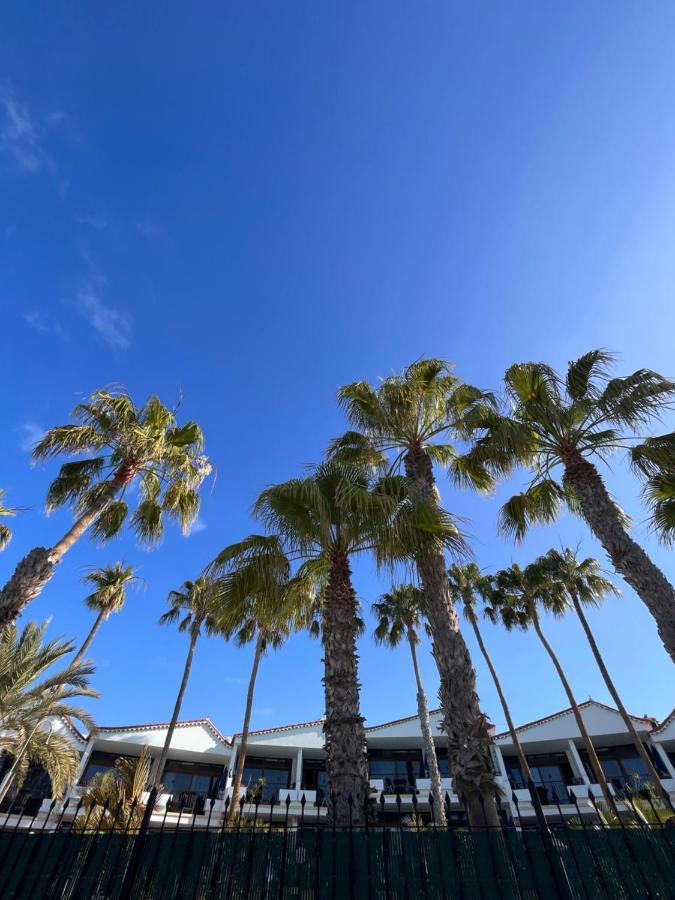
(197, 526)
(262, 711)
(44, 323)
(31, 433)
(93, 220)
(154, 231)
(22, 135)
(113, 325)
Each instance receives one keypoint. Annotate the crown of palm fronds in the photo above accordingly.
(29, 688)
(40, 747)
(260, 595)
(111, 584)
(420, 408)
(473, 589)
(551, 419)
(340, 508)
(198, 604)
(584, 577)
(113, 800)
(518, 592)
(5, 530)
(655, 461)
(120, 441)
(399, 614)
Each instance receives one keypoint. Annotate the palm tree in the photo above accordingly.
(399, 615)
(526, 589)
(110, 583)
(261, 603)
(406, 420)
(31, 693)
(584, 584)
(325, 519)
(196, 606)
(470, 587)
(655, 459)
(5, 530)
(119, 442)
(571, 423)
(113, 800)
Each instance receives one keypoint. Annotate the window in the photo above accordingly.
(621, 764)
(314, 778)
(100, 762)
(264, 776)
(399, 769)
(186, 777)
(551, 773)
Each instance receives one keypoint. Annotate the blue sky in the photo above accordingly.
(253, 204)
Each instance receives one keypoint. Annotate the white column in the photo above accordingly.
(296, 775)
(84, 759)
(576, 762)
(663, 756)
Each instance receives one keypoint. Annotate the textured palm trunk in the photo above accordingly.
(243, 744)
(463, 722)
(428, 740)
(159, 771)
(588, 743)
(628, 722)
(346, 756)
(36, 569)
(627, 557)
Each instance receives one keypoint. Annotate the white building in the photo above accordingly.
(286, 764)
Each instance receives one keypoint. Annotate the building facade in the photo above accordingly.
(285, 772)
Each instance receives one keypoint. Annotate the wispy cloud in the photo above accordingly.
(44, 323)
(97, 221)
(22, 135)
(263, 711)
(197, 526)
(31, 433)
(154, 231)
(112, 324)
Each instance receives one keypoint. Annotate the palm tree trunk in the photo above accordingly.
(627, 557)
(588, 743)
(346, 756)
(36, 569)
(89, 638)
(463, 722)
(159, 771)
(524, 765)
(628, 722)
(428, 740)
(522, 759)
(241, 756)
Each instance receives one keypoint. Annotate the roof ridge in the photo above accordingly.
(566, 711)
(157, 726)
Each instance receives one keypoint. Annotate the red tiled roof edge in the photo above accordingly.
(281, 728)
(666, 722)
(566, 711)
(157, 726)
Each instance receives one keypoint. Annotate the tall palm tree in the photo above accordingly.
(399, 615)
(31, 693)
(261, 603)
(407, 421)
(584, 584)
(527, 589)
(5, 530)
(119, 442)
(571, 423)
(324, 520)
(110, 592)
(470, 587)
(196, 607)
